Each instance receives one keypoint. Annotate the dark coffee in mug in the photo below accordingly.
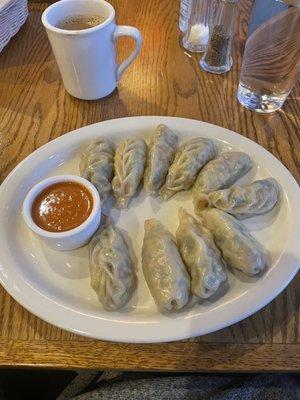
(80, 22)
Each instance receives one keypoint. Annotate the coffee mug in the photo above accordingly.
(87, 58)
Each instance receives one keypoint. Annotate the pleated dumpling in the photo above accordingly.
(220, 173)
(97, 166)
(163, 268)
(189, 160)
(239, 248)
(130, 161)
(243, 202)
(161, 151)
(112, 272)
(200, 255)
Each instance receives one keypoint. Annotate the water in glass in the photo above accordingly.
(272, 56)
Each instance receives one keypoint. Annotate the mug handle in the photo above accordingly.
(122, 30)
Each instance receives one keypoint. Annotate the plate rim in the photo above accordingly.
(172, 335)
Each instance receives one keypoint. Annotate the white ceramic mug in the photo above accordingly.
(87, 58)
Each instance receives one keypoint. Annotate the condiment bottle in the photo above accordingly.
(196, 36)
(217, 58)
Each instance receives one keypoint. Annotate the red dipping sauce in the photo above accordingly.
(62, 206)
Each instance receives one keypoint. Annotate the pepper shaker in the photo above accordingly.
(217, 58)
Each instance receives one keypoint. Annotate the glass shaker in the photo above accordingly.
(217, 58)
(196, 36)
(184, 13)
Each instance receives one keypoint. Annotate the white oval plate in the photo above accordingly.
(55, 285)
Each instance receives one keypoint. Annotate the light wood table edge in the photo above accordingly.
(176, 356)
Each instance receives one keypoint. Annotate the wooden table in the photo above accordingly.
(34, 109)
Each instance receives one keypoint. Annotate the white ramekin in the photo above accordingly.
(73, 238)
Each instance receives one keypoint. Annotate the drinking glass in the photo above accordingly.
(272, 55)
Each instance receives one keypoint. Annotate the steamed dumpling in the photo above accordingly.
(162, 148)
(239, 248)
(97, 166)
(164, 271)
(112, 272)
(220, 173)
(130, 161)
(255, 199)
(200, 255)
(189, 159)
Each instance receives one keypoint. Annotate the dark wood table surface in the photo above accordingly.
(34, 109)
